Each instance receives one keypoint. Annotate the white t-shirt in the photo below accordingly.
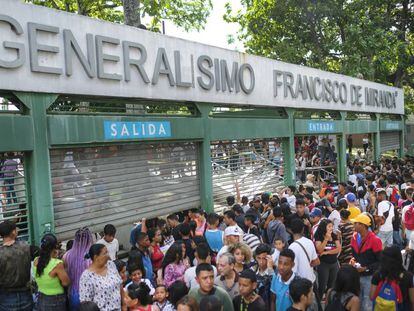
(113, 247)
(383, 207)
(190, 277)
(291, 199)
(223, 250)
(302, 265)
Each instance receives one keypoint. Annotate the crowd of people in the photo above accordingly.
(340, 246)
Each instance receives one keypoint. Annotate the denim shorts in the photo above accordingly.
(16, 301)
(51, 302)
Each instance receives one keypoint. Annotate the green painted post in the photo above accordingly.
(288, 144)
(206, 174)
(342, 151)
(377, 138)
(402, 138)
(38, 166)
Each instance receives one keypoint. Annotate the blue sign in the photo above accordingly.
(133, 130)
(321, 127)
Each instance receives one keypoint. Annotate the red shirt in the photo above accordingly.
(156, 257)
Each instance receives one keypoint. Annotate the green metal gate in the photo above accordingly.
(390, 141)
(120, 184)
(13, 197)
(255, 165)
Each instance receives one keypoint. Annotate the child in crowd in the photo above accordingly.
(213, 235)
(249, 220)
(135, 273)
(279, 246)
(109, 241)
(160, 299)
(121, 267)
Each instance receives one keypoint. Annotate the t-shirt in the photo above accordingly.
(190, 277)
(331, 245)
(293, 309)
(302, 265)
(15, 264)
(218, 292)
(281, 290)
(256, 305)
(146, 281)
(335, 217)
(233, 291)
(113, 247)
(214, 239)
(405, 283)
(383, 207)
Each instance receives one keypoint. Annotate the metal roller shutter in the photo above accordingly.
(389, 141)
(13, 192)
(119, 184)
(255, 165)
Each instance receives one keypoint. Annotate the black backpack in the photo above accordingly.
(337, 302)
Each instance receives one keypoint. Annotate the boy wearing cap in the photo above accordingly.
(315, 219)
(366, 251)
(352, 208)
(386, 211)
(248, 300)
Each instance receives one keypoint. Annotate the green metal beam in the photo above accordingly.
(238, 129)
(377, 138)
(70, 129)
(206, 174)
(342, 152)
(16, 132)
(288, 144)
(40, 197)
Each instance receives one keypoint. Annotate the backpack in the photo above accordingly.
(409, 218)
(387, 296)
(335, 303)
(395, 196)
(263, 288)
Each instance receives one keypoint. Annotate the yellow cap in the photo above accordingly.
(363, 219)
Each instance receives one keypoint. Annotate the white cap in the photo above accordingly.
(233, 230)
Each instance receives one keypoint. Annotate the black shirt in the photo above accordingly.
(240, 305)
(293, 309)
(332, 258)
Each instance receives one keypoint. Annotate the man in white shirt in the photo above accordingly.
(109, 241)
(385, 210)
(305, 253)
(202, 254)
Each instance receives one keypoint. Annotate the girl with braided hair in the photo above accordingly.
(75, 264)
(50, 276)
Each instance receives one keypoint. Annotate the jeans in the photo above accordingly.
(365, 301)
(16, 301)
(51, 303)
(386, 238)
(326, 276)
(397, 239)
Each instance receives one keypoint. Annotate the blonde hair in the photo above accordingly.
(245, 249)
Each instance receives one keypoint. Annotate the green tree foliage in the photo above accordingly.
(368, 38)
(188, 14)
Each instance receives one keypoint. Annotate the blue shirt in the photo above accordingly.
(214, 239)
(146, 260)
(281, 290)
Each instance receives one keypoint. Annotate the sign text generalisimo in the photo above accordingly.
(44, 50)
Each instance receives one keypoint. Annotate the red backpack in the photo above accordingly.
(409, 218)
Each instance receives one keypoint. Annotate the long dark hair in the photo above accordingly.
(347, 280)
(321, 231)
(94, 251)
(391, 264)
(175, 251)
(141, 292)
(47, 245)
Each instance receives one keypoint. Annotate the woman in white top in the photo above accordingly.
(101, 282)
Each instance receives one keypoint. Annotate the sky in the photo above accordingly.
(213, 33)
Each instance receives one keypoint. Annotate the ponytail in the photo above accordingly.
(47, 245)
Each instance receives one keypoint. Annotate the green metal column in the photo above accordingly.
(38, 166)
(342, 151)
(288, 144)
(402, 138)
(377, 138)
(206, 174)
